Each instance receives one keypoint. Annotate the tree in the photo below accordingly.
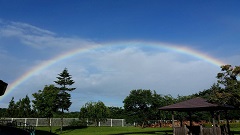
(20, 109)
(142, 105)
(64, 80)
(45, 102)
(164, 100)
(25, 107)
(11, 110)
(157, 101)
(229, 90)
(116, 113)
(3, 112)
(95, 112)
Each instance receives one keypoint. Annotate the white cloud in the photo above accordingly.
(40, 38)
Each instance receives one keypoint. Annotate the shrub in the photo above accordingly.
(78, 123)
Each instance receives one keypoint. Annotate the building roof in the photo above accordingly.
(195, 104)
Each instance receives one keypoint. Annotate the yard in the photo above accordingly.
(104, 131)
(111, 131)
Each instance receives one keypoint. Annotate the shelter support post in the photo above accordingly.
(213, 123)
(190, 118)
(228, 126)
(173, 123)
(191, 123)
(218, 115)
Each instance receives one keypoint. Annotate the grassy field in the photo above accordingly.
(104, 131)
(111, 131)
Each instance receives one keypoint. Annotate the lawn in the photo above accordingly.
(111, 131)
(235, 131)
(104, 131)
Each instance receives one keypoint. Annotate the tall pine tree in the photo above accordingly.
(11, 111)
(64, 80)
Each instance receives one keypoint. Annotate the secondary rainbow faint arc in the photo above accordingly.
(46, 64)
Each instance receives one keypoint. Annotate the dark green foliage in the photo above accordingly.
(64, 101)
(3, 112)
(229, 92)
(63, 80)
(94, 111)
(137, 106)
(25, 108)
(206, 94)
(78, 123)
(156, 101)
(142, 105)
(12, 108)
(45, 102)
(116, 112)
(20, 109)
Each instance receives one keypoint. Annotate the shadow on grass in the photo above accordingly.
(235, 132)
(162, 132)
(70, 128)
(41, 132)
(58, 131)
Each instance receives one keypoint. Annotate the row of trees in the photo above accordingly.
(142, 105)
(20, 109)
(139, 106)
(47, 102)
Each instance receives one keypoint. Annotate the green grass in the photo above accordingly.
(111, 131)
(235, 131)
(104, 131)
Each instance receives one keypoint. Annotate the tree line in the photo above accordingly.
(140, 105)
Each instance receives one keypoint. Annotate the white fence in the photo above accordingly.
(66, 121)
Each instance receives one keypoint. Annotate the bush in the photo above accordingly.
(78, 123)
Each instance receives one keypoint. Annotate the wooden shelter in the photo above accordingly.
(194, 105)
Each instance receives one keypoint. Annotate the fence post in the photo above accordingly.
(99, 124)
(36, 122)
(25, 122)
(122, 123)
(201, 130)
(111, 122)
(87, 121)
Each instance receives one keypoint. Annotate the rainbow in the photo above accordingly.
(176, 48)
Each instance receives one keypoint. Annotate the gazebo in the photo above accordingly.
(195, 105)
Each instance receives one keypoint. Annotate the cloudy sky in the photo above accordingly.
(111, 47)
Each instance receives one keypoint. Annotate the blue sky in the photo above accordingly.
(32, 32)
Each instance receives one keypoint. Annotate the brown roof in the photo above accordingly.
(198, 104)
